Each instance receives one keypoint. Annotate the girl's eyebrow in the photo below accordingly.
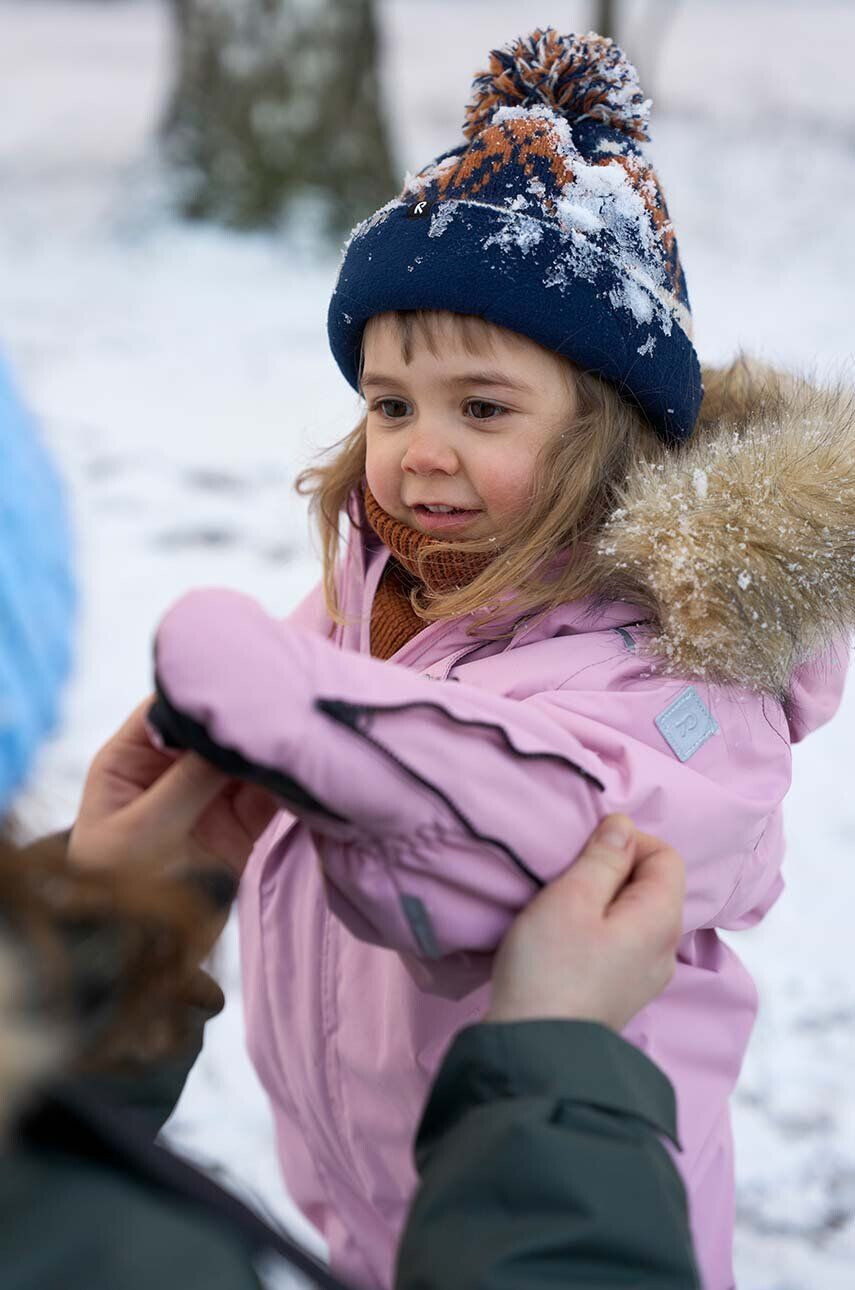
(496, 379)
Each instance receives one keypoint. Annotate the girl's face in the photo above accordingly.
(453, 430)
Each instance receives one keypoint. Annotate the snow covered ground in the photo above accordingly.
(182, 376)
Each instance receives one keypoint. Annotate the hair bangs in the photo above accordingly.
(436, 329)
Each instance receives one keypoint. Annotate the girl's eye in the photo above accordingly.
(482, 410)
(393, 409)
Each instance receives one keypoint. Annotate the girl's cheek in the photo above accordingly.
(377, 462)
(383, 472)
(506, 482)
(374, 471)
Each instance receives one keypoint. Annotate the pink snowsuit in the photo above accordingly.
(434, 793)
(452, 772)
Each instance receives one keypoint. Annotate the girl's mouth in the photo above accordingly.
(442, 519)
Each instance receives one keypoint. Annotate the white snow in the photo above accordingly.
(598, 195)
(700, 482)
(377, 217)
(421, 176)
(558, 124)
(557, 275)
(518, 230)
(573, 214)
(441, 218)
(610, 196)
(628, 294)
(182, 375)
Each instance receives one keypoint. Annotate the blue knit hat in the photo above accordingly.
(36, 593)
(547, 220)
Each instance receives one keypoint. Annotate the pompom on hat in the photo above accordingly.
(547, 220)
(36, 592)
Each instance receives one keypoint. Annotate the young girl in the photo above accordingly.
(563, 594)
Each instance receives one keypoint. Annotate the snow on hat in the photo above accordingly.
(547, 220)
(36, 593)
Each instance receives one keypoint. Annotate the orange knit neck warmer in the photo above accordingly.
(393, 619)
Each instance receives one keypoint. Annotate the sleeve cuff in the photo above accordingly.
(567, 1061)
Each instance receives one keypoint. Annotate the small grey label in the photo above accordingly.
(420, 926)
(686, 724)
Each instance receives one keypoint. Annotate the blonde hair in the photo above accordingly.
(574, 489)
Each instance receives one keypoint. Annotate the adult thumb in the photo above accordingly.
(172, 805)
(604, 863)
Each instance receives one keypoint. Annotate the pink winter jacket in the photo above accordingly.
(432, 795)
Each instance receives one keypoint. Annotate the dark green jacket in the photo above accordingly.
(542, 1165)
(539, 1153)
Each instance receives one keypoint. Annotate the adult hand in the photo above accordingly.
(599, 942)
(143, 805)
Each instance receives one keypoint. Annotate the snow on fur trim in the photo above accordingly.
(577, 77)
(742, 543)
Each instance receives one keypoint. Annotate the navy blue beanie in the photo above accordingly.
(547, 220)
(36, 592)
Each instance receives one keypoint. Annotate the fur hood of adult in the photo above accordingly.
(32, 1045)
(741, 544)
(98, 967)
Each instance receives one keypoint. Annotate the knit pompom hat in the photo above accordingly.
(36, 592)
(547, 220)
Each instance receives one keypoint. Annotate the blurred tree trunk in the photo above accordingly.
(644, 31)
(274, 103)
(606, 18)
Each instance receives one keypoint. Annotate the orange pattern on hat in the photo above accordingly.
(517, 141)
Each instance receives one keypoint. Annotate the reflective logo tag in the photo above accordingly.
(686, 724)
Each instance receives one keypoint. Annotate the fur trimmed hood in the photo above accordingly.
(742, 542)
(31, 1043)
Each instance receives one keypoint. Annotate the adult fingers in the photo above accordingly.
(232, 824)
(171, 807)
(255, 807)
(132, 729)
(603, 865)
(652, 899)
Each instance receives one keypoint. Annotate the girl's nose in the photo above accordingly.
(428, 453)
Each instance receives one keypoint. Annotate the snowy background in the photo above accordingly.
(183, 377)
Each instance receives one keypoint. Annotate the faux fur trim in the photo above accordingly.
(741, 543)
(30, 1047)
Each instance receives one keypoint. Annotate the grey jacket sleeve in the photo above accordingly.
(542, 1164)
